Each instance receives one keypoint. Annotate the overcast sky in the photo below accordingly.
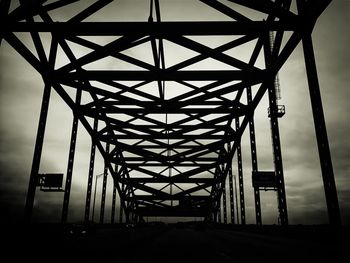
(20, 99)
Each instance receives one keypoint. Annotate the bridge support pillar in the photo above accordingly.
(71, 155)
(33, 180)
(320, 127)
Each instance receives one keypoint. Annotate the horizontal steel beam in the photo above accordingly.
(193, 75)
(174, 198)
(171, 158)
(161, 165)
(162, 29)
(166, 104)
(161, 110)
(170, 126)
(172, 212)
(169, 180)
(193, 148)
(162, 136)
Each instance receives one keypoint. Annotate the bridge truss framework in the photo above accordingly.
(185, 142)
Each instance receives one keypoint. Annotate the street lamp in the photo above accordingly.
(93, 206)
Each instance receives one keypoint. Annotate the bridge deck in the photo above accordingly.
(181, 242)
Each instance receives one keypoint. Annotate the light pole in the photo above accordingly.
(93, 206)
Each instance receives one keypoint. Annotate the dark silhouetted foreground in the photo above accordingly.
(181, 242)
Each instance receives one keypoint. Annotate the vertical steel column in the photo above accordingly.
(33, 180)
(224, 207)
(93, 205)
(70, 161)
(127, 215)
(219, 211)
(276, 143)
(127, 204)
(91, 174)
(114, 199)
(136, 218)
(104, 186)
(243, 223)
(232, 204)
(37, 154)
(240, 175)
(321, 134)
(120, 213)
(320, 127)
(254, 160)
(133, 217)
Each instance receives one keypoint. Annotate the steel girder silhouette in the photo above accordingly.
(183, 142)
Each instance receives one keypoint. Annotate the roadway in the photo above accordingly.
(175, 243)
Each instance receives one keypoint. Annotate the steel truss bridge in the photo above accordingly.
(174, 124)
